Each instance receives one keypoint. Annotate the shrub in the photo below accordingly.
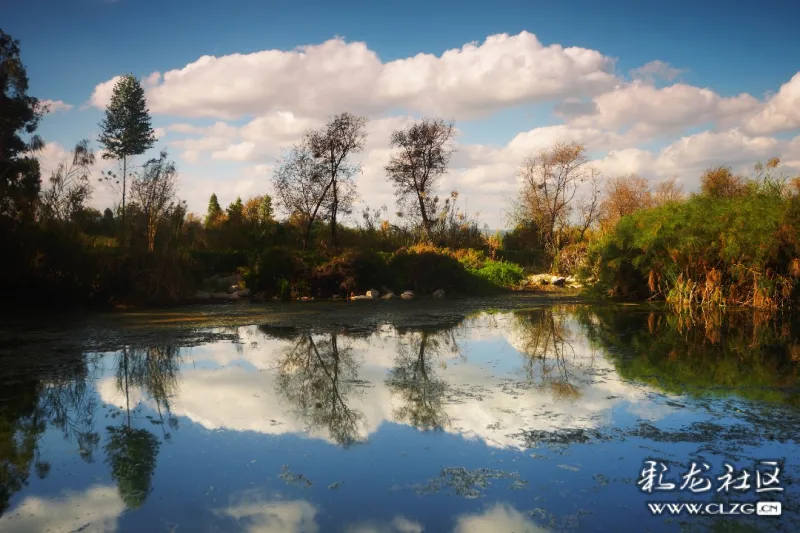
(705, 251)
(570, 259)
(274, 270)
(352, 271)
(470, 258)
(425, 269)
(501, 273)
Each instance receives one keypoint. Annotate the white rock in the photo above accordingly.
(407, 295)
(438, 293)
(388, 296)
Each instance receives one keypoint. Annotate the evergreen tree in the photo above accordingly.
(236, 212)
(126, 130)
(19, 117)
(214, 211)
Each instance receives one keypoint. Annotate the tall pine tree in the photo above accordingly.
(126, 130)
(214, 211)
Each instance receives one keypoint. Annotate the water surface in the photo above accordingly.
(527, 420)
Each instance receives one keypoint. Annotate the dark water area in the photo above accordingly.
(469, 419)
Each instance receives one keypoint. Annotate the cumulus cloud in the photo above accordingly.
(264, 101)
(258, 514)
(689, 156)
(99, 507)
(652, 111)
(399, 524)
(500, 517)
(101, 95)
(782, 111)
(314, 79)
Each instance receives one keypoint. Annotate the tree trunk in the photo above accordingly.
(334, 208)
(426, 224)
(124, 178)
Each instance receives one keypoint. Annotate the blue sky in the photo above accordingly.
(72, 46)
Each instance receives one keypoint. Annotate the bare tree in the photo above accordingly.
(424, 153)
(300, 186)
(667, 191)
(624, 196)
(155, 193)
(345, 134)
(69, 185)
(590, 206)
(550, 182)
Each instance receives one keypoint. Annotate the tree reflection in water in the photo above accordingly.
(546, 338)
(53, 395)
(413, 378)
(131, 452)
(317, 377)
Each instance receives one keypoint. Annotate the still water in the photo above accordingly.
(527, 420)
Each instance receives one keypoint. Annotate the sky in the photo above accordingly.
(659, 89)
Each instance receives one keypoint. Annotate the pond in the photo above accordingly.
(468, 418)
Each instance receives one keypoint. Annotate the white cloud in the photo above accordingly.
(279, 94)
(782, 111)
(651, 111)
(54, 106)
(500, 517)
(101, 95)
(259, 515)
(316, 80)
(655, 69)
(96, 510)
(399, 524)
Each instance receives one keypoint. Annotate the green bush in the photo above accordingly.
(501, 273)
(706, 251)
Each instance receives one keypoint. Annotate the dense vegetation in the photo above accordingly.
(735, 242)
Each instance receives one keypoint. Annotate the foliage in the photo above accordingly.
(278, 270)
(708, 250)
(131, 454)
(747, 353)
(351, 271)
(125, 129)
(501, 273)
(19, 169)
